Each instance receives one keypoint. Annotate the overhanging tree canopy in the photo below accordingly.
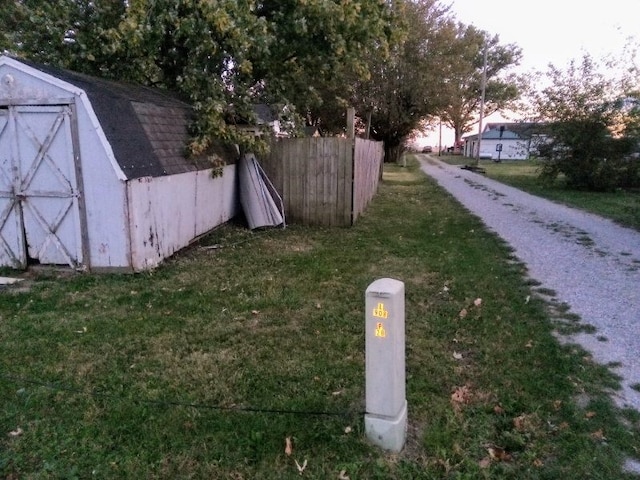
(222, 55)
(400, 61)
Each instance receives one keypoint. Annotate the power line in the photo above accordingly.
(175, 403)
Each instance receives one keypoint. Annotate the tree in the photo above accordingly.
(317, 51)
(222, 55)
(593, 125)
(404, 88)
(74, 34)
(462, 65)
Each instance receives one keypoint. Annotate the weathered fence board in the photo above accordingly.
(324, 181)
(366, 173)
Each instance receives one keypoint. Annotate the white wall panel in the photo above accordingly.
(167, 213)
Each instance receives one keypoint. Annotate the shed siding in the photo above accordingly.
(105, 199)
(167, 213)
(104, 192)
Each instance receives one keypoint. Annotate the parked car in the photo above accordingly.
(427, 149)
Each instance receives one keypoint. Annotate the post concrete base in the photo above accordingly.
(388, 433)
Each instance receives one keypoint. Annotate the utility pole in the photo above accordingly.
(484, 87)
(440, 140)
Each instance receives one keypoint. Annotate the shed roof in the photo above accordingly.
(512, 131)
(147, 128)
(522, 129)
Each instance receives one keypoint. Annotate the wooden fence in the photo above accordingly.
(324, 181)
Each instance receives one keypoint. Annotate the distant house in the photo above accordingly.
(506, 141)
(266, 119)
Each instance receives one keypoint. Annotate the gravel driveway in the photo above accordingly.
(591, 263)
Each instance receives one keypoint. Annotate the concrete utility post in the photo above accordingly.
(386, 418)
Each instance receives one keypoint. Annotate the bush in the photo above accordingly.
(589, 157)
(593, 124)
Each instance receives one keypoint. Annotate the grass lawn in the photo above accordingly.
(204, 367)
(622, 206)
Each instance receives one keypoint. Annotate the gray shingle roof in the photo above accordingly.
(147, 128)
(512, 131)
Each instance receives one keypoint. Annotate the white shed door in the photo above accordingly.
(39, 214)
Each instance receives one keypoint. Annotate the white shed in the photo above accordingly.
(93, 173)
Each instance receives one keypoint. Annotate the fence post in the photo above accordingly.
(351, 122)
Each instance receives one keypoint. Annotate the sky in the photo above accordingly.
(554, 31)
(550, 31)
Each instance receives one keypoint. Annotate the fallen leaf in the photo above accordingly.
(337, 392)
(347, 430)
(557, 405)
(461, 396)
(590, 414)
(485, 462)
(498, 453)
(463, 313)
(538, 463)
(288, 448)
(477, 302)
(84, 330)
(526, 300)
(16, 433)
(498, 410)
(563, 426)
(598, 435)
(457, 356)
(519, 423)
(529, 344)
(343, 475)
(525, 423)
(318, 306)
(301, 468)
(255, 312)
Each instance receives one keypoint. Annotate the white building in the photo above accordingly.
(505, 141)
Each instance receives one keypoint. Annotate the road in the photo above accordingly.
(591, 263)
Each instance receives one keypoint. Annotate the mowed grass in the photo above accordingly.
(203, 367)
(621, 206)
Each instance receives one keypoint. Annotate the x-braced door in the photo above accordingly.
(39, 194)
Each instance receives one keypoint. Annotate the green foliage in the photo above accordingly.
(400, 62)
(592, 126)
(223, 55)
(317, 52)
(74, 34)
